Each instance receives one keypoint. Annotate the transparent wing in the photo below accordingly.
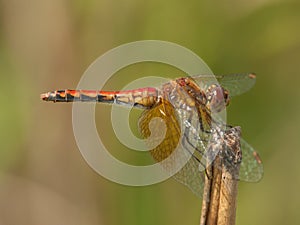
(182, 134)
(251, 169)
(192, 177)
(194, 142)
(236, 84)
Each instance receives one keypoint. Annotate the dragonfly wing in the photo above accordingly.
(182, 135)
(193, 142)
(251, 169)
(190, 176)
(236, 84)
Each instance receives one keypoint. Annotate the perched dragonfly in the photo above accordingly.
(186, 105)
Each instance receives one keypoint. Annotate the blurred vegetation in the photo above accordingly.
(47, 45)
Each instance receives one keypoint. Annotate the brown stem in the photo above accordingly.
(220, 189)
(206, 196)
(228, 196)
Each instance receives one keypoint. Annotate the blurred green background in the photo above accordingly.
(47, 45)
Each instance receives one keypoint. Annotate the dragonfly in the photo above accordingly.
(189, 107)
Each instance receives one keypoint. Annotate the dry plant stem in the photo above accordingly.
(228, 195)
(220, 190)
(211, 194)
(215, 193)
(206, 195)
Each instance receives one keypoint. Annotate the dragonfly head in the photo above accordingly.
(217, 98)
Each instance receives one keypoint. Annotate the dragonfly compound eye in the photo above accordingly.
(217, 98)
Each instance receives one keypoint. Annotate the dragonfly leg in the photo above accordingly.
(186, 140)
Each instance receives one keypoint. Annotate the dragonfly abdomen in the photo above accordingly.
(142, 97)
